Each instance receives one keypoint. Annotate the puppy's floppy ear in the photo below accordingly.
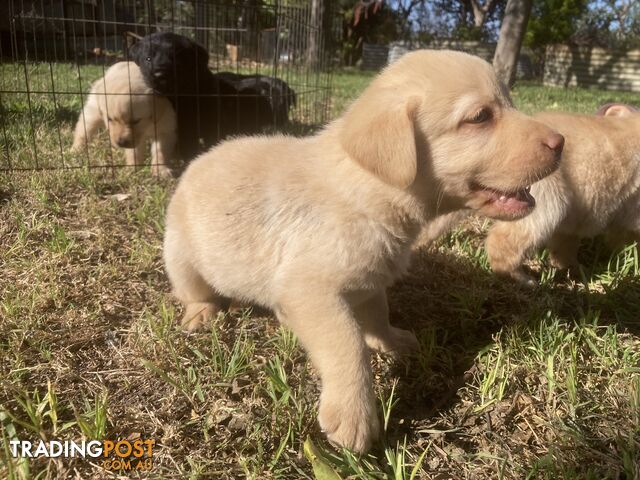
(379, 134)
(202, 56)
(133, 51)
(130, 39)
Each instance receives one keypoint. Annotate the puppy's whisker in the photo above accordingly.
(439, 198)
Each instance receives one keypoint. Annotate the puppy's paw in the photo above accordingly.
(237, 306)
(577, 272)
(398, 341)
(349, 422)
(560, 263)
(524, 279)
(161, 171)
(197, 315)
(77, 146)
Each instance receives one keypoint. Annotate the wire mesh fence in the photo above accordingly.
(53, 52)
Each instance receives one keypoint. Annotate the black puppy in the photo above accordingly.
(281, 96)
(208, 108)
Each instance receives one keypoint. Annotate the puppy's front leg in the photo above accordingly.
(87, 125)
(163, 148)
(161, 152)
(331, 335)
(135, 156)
(507, 245)
(373, 316)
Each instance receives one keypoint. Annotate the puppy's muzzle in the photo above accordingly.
(125, 142)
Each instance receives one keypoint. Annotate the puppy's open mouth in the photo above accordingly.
(503, 204)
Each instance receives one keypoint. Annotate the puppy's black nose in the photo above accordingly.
(555, 142)
(125, 143)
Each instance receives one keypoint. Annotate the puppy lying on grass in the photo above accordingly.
(280, 95)
(317, 228)
(122, 103)
(208, 107)
(596, 190)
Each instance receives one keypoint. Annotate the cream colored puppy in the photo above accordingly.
(596, 190)
(317, 228)
(122, 102)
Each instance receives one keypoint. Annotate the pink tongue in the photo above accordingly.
(511, 202)
(514, 200)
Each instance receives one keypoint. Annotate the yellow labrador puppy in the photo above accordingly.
(596, 190)
(127, 107)
(317, 228)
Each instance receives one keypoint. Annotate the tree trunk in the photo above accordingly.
(152, 18)
(315, 32)
(514, 24)
(202, 23)
(478, 18)
(480, 11)
(328, 27)
(479, 14)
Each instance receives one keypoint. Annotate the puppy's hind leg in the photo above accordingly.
(200, 300)
(326, 327)
(563, 251)
(380, 336)
(625, 229)
(507, 245)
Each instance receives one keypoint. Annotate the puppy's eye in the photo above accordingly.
(481, 116)
(148, 59)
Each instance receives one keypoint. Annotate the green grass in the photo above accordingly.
(508, 383)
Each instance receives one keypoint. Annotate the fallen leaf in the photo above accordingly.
(322, 469)
(120, 197)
